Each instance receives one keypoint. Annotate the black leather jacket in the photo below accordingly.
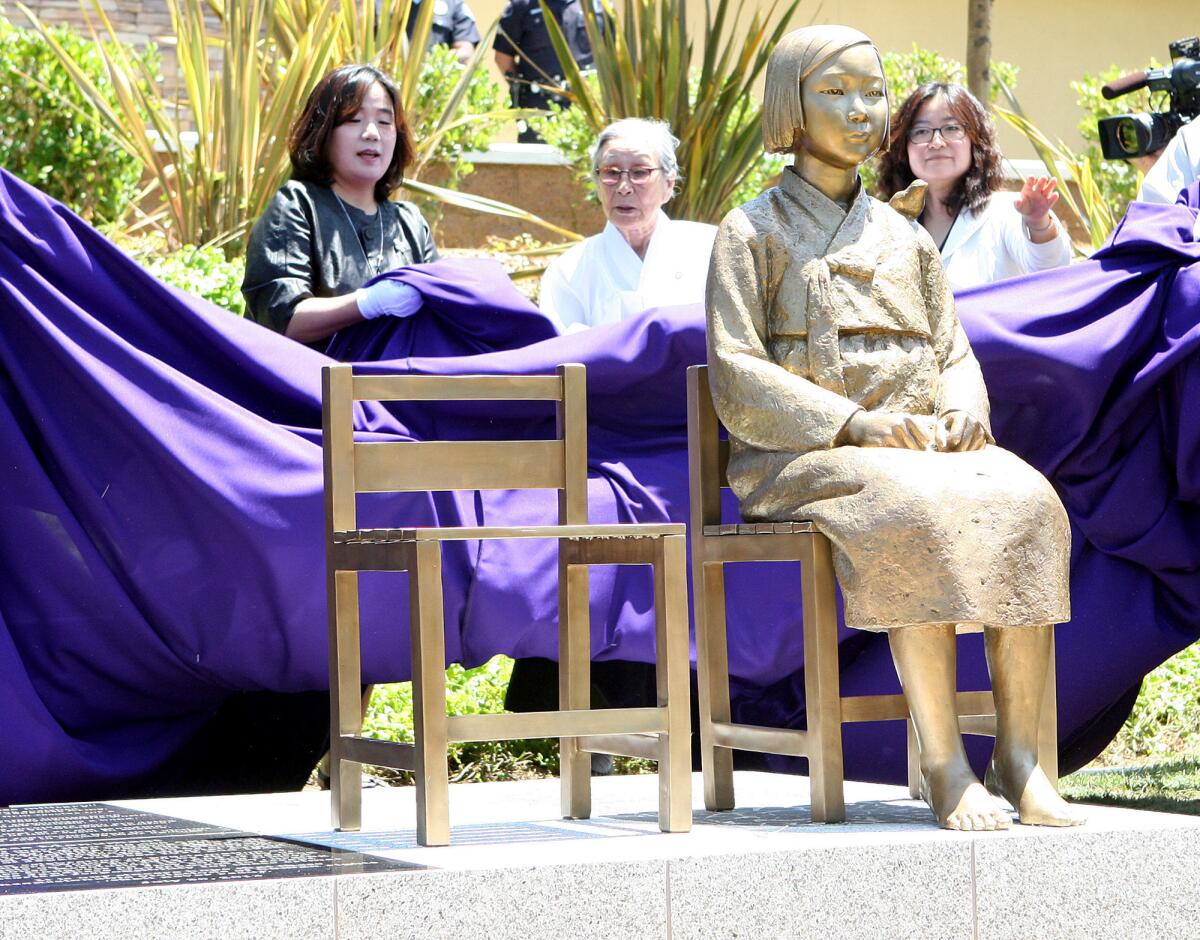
(309, 244)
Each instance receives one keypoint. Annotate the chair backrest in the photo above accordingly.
(408, 466)
(708, 454)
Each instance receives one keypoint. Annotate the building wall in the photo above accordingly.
(1051, 43)
(136, 22)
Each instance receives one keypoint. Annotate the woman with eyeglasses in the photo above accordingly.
(943, 135)
(642, 259)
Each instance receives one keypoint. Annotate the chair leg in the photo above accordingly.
(429, 695)
(914, 761)
(345, 708)
(822, 686)
(712, 673)
(671, 668)
(574, 682)
(1048, 726)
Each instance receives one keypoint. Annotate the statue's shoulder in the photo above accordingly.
(883, 214)
(898, 227)
(910, 202)
(898, 214)
(756, 218)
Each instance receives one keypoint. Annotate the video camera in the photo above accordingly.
(1134, 135)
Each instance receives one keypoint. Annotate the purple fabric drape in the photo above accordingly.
(162, 528)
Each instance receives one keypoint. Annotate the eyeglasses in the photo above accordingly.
(638, 175)
(951, 133)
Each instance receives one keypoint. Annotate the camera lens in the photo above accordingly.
(1128, 137)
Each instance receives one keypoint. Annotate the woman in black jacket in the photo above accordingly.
(331, 227)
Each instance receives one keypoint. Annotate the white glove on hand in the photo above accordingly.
(387, 298)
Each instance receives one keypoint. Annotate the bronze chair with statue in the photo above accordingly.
(853, 402)
(716, 543)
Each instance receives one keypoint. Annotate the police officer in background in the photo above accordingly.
(453, 25)
(526, 56)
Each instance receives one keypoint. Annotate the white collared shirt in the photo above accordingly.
(602, 280)
(992, 244)
(1178, 166)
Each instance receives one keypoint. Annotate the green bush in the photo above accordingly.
(49, 135)
(468, 692)
(1166, 718)
(1118, 180)
(440, 73)
(477, 691)
(907, 70)
(203, 271)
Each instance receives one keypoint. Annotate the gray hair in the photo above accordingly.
(655, 135)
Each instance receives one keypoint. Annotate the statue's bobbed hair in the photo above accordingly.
(798, 55)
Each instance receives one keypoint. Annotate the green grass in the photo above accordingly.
(1165, 721)
(1154, 762)
(1167, 787)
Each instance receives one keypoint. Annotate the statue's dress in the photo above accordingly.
(815, 312)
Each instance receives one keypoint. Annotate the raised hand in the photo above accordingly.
(1038, 196)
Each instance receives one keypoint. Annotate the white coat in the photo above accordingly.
(992, 244)
(602, 280)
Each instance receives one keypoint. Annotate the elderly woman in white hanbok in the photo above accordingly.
(642, 259)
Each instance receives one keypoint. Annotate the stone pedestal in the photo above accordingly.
(516, 870)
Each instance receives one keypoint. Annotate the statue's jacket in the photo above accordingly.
(815, 312)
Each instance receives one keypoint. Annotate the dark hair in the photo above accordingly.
(336, 99)
(984, 175)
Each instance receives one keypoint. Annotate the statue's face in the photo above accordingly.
(845, 108)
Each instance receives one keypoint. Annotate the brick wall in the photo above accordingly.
(136, 23)
(548, 190)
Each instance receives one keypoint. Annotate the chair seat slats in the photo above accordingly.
(600, 531)
(759, 528)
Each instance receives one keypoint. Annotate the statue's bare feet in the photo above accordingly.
(1029, 790)
(959, 800)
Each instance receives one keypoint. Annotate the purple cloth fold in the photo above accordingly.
(162, 536)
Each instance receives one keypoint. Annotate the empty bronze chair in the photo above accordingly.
(660, 733)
